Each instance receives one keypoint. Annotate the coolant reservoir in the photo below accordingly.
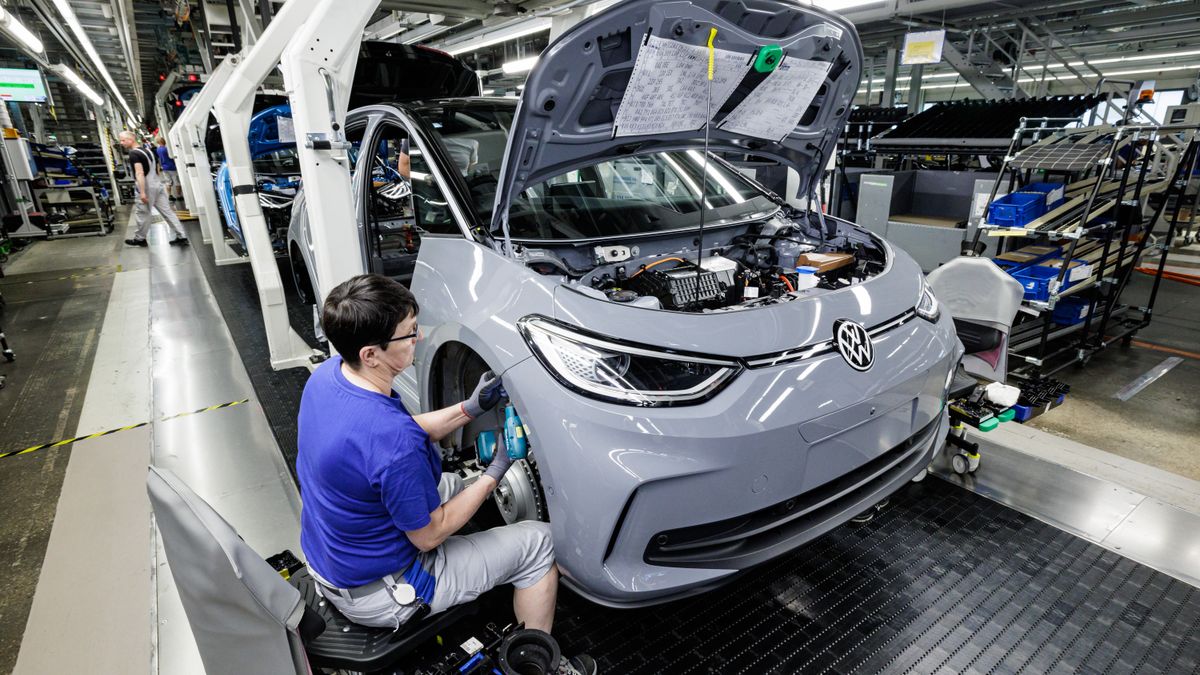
(806, 278)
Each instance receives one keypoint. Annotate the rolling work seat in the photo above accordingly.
(983, 300)
(246, 618)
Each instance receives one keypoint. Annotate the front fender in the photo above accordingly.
(470, 294)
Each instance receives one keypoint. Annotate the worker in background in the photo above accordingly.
(380, 519)
(150, 193)
(167, 164)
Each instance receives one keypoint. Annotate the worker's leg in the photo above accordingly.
(535, 605)
(142, 214)
(521, 554)
(162, 204)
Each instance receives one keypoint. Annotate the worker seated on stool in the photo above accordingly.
(379, 518)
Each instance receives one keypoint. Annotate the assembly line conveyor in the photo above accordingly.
(942, 579)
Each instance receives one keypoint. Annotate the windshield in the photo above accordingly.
(629, 195)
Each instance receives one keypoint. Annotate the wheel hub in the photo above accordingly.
(519, 495)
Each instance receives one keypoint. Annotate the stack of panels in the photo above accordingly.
(976, 126)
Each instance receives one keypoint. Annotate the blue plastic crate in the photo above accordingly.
(1058, 190)
(1070, 311)
(1036, 281)
(1017, 209)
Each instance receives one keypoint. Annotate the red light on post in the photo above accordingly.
(192, 77)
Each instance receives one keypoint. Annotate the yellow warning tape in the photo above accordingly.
(77, 439)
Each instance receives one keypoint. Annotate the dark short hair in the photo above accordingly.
(365, 311)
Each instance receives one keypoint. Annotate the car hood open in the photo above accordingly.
(633, 80)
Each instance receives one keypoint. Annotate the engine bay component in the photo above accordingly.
(612, 254)
(725, 269)
(825, 262)
(780, 259)
(622, 296)
(682, 286)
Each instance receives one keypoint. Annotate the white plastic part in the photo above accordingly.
(806, 278)
(1002, 394)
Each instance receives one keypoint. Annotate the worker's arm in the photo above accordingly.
(440, 423)
(451, 516)
(139, 175)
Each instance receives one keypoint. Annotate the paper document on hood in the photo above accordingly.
(668, 90)
(774, 108)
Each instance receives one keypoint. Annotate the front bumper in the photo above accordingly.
(648, 505)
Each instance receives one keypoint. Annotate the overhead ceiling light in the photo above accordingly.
(79, 84)
(1152, 69)
(15, 28)
(519, 66)
(512, 32)
(68, 15)
(1135, 57)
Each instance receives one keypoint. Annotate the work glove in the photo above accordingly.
(500, 462)
(488, 393)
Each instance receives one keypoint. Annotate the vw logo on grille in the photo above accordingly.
(854, 344)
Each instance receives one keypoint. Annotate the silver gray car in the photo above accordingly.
(709, 376)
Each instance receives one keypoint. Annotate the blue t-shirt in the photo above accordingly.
(164, 159)
(368, 472)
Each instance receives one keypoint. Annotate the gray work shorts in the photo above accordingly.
(464, 567)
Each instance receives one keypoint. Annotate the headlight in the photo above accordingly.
(626, 374)
(927, 305)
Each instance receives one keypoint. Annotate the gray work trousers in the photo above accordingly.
(464, 567)
(159, 201)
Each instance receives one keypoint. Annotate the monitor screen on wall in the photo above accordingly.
(20, 84)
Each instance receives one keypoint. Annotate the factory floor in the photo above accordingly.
(131, 341)
(109, 336)
(1160, 424)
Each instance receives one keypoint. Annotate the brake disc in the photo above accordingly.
(519, 495)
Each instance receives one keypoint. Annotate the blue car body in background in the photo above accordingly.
(276, 169)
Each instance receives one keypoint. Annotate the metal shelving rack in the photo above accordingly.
(81, 201)
(1101, 187)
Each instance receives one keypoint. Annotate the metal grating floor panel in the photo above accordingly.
(941, 581)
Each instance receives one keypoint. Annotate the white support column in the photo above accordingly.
(234, 108)
(318, 68)
(193, 126)
(163, 114)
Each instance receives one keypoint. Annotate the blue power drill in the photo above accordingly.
(514, 439)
